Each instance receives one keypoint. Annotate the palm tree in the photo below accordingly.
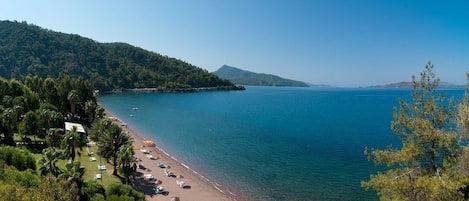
(10, 118)
(98, 128)
(126, 161)
(90, 110)
(70, 142)
(50, 118)
(48, 159)
(112, 139)
(74, 99)
(53, 137)
(73, 172)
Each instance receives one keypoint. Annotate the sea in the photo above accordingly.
(270, 143)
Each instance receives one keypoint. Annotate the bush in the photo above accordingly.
(123, 192)
(92, 190)
(19, 158)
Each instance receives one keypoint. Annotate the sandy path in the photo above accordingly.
(200, 189)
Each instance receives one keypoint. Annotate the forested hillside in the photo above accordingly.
(27, 49)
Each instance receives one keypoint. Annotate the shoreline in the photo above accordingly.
(201, 187)
(176, 90)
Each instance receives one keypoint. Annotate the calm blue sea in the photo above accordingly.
(270, 143)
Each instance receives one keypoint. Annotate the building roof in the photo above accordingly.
(69, 126)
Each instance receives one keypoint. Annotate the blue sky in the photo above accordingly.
(341, 43)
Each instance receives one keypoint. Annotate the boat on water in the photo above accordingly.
(135, 108)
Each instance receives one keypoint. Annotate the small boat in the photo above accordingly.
(131, 115)
(135, 108)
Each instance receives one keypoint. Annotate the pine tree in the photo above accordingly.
(425, 167)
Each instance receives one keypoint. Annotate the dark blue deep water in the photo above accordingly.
(271, 143)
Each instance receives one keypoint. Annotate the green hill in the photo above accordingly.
(243, 77)
(27, 49)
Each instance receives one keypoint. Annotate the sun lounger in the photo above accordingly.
(88, 151)
(151, 157)
(161, 165)
(181, 184)
(169, 173)
(141, 166)
(148, 176)
(101, 167)
(158, 190)
(98, 176)
(92, 158)
(144, 151)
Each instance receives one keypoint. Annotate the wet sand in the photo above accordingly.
(200, 188)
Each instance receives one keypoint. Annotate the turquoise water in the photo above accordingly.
(270, 143)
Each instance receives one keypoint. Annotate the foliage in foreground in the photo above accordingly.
(427, 166)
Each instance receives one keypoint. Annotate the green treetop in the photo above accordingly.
(425, 167)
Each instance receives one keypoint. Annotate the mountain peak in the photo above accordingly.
(243, 77)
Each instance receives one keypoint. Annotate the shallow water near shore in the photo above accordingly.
(270, 143)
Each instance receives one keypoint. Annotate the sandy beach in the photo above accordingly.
(199, 187)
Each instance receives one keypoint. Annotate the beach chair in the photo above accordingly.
(169, 173)
(148, 176)
(158, 190)
(182, 184)
(161, 165)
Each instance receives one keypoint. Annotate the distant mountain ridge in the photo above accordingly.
(243, 77)
(408, 85)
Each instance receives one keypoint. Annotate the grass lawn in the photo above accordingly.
(91, 167)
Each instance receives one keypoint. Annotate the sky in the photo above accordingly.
(336, 42)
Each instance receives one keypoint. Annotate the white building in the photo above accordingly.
(69, 126)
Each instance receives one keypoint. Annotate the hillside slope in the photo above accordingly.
(30, 50)
(243, 77)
